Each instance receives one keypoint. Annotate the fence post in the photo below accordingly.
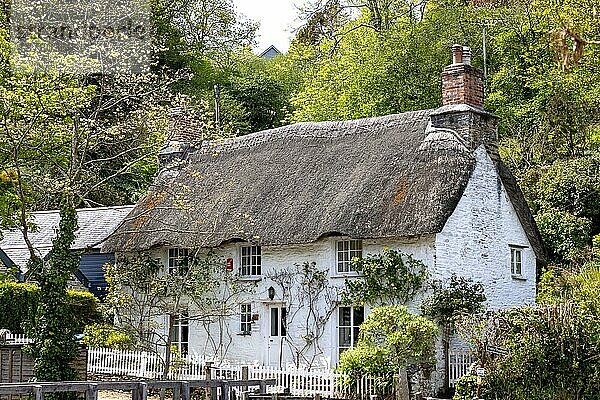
(224, 391)
(185, 390)
(37, 393)
(92, 392)
(245, 377)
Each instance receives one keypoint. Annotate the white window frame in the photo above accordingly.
(345, 251)
(181, 333)
(516, 260)
(246, 318)
(353, 327)
(250, 263)
(178, 261)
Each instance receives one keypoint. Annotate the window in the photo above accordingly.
(346, 251)
(278, 318)
(179, 260)
(516, 261)
(349, 320)
(246, 319)
(181, 333)
(250, 261)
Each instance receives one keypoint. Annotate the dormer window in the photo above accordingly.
(346, 250)
(179, 261)
(250, 261)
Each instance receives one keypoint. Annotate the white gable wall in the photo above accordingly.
(475, 242)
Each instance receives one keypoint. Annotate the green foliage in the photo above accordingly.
(447, 303)
(19, 301)
(465, 388)
(52, 329)
(390, 338)
(552, 347)
(107, 336)
(389, 278)
(566, 235)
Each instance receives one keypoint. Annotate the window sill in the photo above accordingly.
(346, 275)
(249, 278)
(518, 277)
(244, 333)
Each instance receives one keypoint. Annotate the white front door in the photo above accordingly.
(277, 334)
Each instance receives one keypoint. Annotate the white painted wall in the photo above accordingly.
(255, 347)
(476, 238)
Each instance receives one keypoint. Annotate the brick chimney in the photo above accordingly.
(461, 82)
(462, 110)
(183, 137)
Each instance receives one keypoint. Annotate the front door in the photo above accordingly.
(277, 334)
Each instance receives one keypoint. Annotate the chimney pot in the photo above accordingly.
(457, 54)
(466, 55)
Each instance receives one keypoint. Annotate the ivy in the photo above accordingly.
(54, 347)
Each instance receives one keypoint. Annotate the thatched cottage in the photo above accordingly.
(430, 183)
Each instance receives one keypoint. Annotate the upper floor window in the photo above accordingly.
(246, 318)
(179, 261)
(251, 261)
(346, 251)
(516, 261)
(180, 338)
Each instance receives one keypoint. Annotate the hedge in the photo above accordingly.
(18, 303)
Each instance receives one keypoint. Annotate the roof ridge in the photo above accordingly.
(55, 211)
(300, 129)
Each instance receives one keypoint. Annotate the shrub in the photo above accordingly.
(18, 304)
(104, 335)
(390, 339)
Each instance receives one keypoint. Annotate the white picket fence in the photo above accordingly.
(459, 363)
(299, 382)
(17, 338)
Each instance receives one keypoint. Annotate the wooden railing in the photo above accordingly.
(139, 390)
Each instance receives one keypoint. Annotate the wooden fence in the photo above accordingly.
(139, 389)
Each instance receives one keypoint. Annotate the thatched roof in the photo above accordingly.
(384, 177)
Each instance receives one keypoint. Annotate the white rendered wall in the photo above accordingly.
(476, 238)
(255, 347)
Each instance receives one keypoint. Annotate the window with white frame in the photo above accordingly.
(349, 320)
(346, 250)
(246, 318)
(251, 261)
(180, 338)
(516, 261)
(179, 261)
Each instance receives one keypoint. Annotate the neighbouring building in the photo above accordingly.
(270, 52)
(95, 224)
(429, 183)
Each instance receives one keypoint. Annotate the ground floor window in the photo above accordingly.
(349, 320)
(246, 318)
(180, 338)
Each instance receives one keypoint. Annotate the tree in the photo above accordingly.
(142, 292)
(390, 339)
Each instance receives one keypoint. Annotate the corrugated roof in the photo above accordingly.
(95, 224)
